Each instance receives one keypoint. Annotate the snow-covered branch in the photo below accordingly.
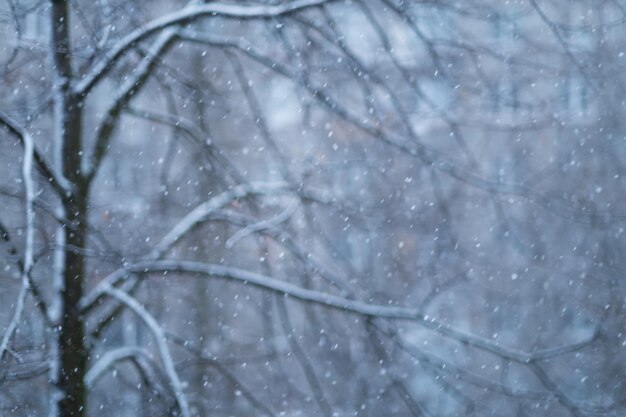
(124, 94)
(34, 288)
(317, 297)
(42, 165)
(201, 212)
(307, 257)
(161, 342)
(187, 15)
(262, 225)
(110, 358)
(29, 186)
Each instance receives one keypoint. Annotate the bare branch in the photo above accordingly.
(303, 360)
(552, 386)
(187, 15)
(197, 135)
(555, 30)
(124, 94)
(206, 357)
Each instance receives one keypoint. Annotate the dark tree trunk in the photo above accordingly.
(72, 349)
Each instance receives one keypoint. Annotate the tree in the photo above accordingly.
(404, 199)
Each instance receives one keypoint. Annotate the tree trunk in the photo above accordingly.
(72, 349)
(73, 352)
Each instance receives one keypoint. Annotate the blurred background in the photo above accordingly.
(463, 159)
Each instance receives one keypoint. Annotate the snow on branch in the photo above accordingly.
(321, 298)
(137, 354)
(122, 96)
(249, 229)
(42, 165)
(186, 15)
(29, 186)
(161, 342)
(34, 288)
(201, 212)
